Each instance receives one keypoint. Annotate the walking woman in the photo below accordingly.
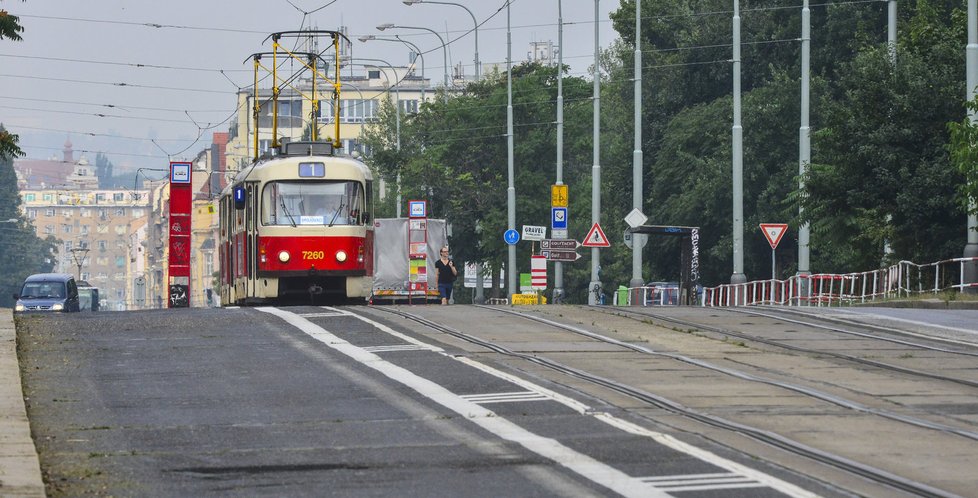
(445, 274)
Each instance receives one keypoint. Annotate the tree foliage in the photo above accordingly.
(881, 171)
(21, 251)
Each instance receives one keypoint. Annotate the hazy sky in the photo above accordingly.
(182, 61)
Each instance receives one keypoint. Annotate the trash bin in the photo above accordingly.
(622, 295)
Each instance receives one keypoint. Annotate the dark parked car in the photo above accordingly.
(48, 292)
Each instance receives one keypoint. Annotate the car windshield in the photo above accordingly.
(38, 290)
(312, 203)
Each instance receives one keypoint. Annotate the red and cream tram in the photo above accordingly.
(297, 226)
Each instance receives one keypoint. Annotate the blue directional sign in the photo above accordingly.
(558, 218)
(511, 236)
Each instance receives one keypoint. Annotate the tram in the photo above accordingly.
(296, 227)
(296, 223)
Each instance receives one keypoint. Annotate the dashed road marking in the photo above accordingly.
(510, 397)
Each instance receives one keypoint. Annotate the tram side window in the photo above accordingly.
(312, 203)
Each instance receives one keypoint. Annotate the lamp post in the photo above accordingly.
(366, 38)
(397, 114)
(475, 23)
(78, 254)
(444, 47)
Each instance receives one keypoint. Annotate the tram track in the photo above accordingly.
(758, 434)
(645, 315)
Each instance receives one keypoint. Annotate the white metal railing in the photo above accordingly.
(827, 289)
(648, 295)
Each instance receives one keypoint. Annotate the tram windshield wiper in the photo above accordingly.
(337, 213)
(287, 213)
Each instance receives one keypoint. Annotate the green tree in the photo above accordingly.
(9, 28)
(21, 251)
(964, 155)
(103, 169)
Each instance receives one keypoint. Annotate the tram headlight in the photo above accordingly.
(283, 256)
(341, 256)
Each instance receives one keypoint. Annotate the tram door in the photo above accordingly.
(251, 238)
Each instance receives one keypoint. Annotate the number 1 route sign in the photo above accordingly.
(773, 232)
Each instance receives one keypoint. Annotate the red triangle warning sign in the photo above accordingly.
(773, 232)
(596, 238)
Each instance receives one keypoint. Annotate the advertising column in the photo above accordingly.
(181, 206)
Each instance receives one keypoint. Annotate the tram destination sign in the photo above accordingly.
(556, 255)
(559, 244)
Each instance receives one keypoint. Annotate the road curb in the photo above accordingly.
(20, 469)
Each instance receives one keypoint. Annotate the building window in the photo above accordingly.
(138, 213)
(373, 75)
(66, 213)
(101, 260)
(28, 197)
(48, 228)
(32, 213)
(67, 245)
(85, 213)
(84, 229)
(409, 106)
(120, 229)
(47, 197)
(120, 212)
(118, 197)
(85, 275)
(66, 228)
(49, 212)
(101, 245)
(120, 261)
(99, 197)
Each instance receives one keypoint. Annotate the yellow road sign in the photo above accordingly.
(558, 195)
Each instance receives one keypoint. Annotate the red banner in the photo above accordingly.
(181, 209)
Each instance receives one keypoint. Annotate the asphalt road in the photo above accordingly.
(310, 402)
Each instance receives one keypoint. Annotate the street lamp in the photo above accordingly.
(475, 23)
(366, 38)
(78, 254)
(444, 47)
(397, 114)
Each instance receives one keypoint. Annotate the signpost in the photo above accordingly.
(531, 232)
(557, 255)
(181, 210)
(596, 237)
(773, 233)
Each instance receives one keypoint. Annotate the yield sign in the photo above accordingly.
(596, 237)
(773, 232)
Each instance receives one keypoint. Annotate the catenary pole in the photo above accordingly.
(595, 285)
(804, 141)
(637, 239)
(511, 271)
(558, 266)
(738, 276)
(971, 56)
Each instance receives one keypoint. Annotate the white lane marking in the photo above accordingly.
(663, 439)
(701, 482)
(505, 397)
(396, 347)
(386, 329)
(583, 465)
(320, 315)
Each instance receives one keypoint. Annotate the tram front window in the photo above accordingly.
(312, 203)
